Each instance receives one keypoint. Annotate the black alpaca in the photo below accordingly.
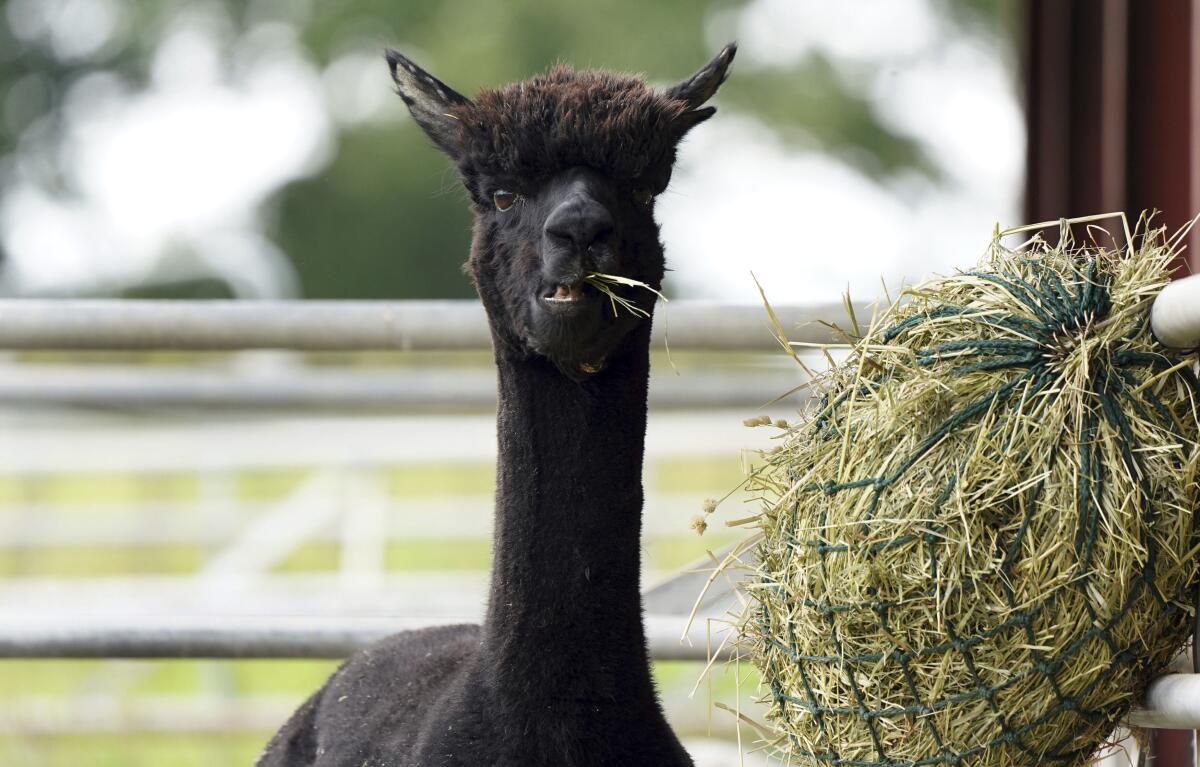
(562, 171)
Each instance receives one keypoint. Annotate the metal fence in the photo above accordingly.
(357, 325)
(1173, 701)
(299, 327)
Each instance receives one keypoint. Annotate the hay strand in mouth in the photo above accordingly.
(605, 283)
(978, 546)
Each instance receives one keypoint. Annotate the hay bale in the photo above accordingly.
(979, 545)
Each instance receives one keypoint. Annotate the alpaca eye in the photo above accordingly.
(643, 197)
(504, 200)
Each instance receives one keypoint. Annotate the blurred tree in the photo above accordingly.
(384, 217)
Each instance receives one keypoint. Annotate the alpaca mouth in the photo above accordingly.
(568, 300)
(565, 294)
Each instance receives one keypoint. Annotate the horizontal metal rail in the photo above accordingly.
(421, 325)
(354, 325)
(300, 387)
(159, 523)
(240, 637)
(1171, 702)
(200, 443)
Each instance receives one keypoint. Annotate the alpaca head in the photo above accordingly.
(562, 170)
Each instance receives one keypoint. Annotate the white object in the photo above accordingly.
(1175, 316)
(1172, 702)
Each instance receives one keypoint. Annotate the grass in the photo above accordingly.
(436, 480)
(425, 555)
(101, 494)
(691, 475)
(260, 676)
(283, 683)
(122, 750)
(286, 682)
(98, 561)
(96, 489)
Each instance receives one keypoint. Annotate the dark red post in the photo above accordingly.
(1163, 110)
(1112, 91)
(1113, 109)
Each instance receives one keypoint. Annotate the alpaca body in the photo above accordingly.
(372, 709)
(399, 703)
(562, 171)
(558, 673)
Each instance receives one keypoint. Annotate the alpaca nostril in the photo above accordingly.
(601, 237)
(560, 237)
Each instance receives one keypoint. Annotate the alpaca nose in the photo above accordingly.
(579, 221)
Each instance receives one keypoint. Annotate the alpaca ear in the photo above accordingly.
(701, 86)
(429, 100)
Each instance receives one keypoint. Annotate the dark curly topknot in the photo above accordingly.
(611, 122)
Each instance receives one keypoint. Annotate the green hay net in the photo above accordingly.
(978, 547)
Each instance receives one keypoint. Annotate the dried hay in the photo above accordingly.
(979, 545)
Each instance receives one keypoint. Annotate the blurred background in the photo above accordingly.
(255, 149)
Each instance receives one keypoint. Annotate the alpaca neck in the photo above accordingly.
(564, 618)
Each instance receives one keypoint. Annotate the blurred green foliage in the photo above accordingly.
(385, 219)
(265, 684)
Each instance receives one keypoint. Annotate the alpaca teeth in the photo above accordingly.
(567, 293)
